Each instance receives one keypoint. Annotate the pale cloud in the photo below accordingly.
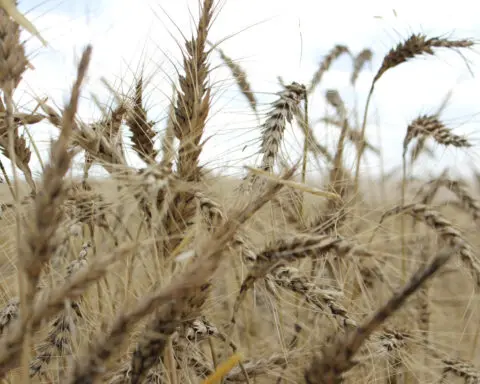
(269, 38)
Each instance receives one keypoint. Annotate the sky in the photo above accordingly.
(268, 38)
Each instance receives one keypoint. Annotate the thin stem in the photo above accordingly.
(402, 222)
(362, 139)
(24, 310)
(305, 155)
(7, 179)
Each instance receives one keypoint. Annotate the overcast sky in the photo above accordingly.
(269, 38)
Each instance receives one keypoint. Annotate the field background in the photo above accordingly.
(137, 247)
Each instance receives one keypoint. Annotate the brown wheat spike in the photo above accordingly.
(167, 320)
(22, 154)
(13, 62)
(143, 134)
(445, 230)
(462, 369)
(325, 65)
(291, 278)
(338, 174)
(468, 202)
(291, 250)
(431, 126)
(210, 210)
(9, 313)
(364, 57)
(73, 230)
(274, 127)
(393, 342)
(90, 140)
(39, 237)
(110, 128)
(337, 356)
(168, 139)
(53, 302)
(193, 97)
(435, 185)
(240, 77)
(180, 299)
(12, 65)
(163, 325)
(57, 341)
(335, 100)
(419, 149)
(59, 337)
(415, 45)
(214, 216)
(200, 329)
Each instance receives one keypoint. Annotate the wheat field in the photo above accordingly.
(172, 273)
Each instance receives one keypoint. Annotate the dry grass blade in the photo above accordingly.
(10, 7)
(293, 184)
